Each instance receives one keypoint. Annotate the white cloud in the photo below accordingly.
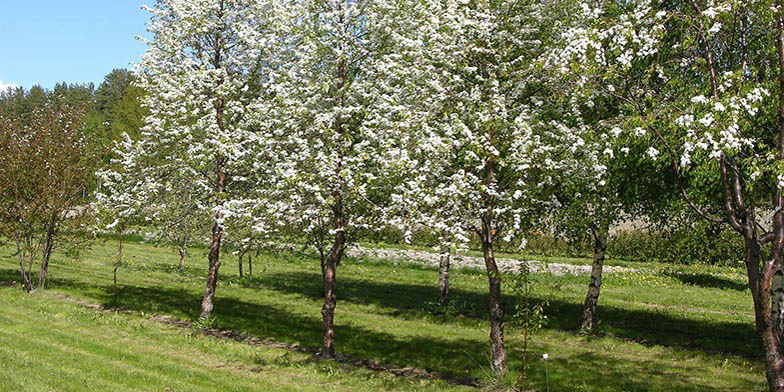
(5, 86)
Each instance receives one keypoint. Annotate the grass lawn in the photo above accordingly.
(685, 328)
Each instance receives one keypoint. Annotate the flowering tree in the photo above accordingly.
(46, 166)
(175, 214)
(706, 89)
(339, 134)
(492, 149)
(201, 69)
(122, 197)
(589, 208)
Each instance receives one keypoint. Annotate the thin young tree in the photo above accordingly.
(706, 89)
(200, 72)
(175, 215)
(493, 147)
(337, 129)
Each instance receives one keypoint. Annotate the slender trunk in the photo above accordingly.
(208, 301)
(29, 269)
(242, 254)
(49, 245)
(44, 270)
(496, 308)
(250, 265)
(25, 275)
(443, 275)
(592, 298)
(116, 267)
(183, 249)
(526, 329)
(486, 234)
(330, 283)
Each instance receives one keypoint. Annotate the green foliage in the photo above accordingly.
(110, 110)
(691, 242)
(701, 243)
(205, 323)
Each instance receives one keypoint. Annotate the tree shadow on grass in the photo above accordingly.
(654, 326)
(708, 281)
(600, 371)
(451, 357)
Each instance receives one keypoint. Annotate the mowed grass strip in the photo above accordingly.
(52, 345)
(692, 325)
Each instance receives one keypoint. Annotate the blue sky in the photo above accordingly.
(76, 41)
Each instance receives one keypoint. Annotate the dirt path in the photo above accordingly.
(473, 262)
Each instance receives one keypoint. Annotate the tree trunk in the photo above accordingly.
(592, 298)
(761, 295)
(25, 279)
(43, 271)
(47, 254)
(183, 249)
(242, 254)
(182, 259)
(496, 309)
(116, 267)
(771, 295)
(250, 265)
(777, 302)
(208, 301)
(330, 283)
(25, 273)
(443, 275)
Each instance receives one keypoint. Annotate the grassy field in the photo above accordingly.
(684, 328)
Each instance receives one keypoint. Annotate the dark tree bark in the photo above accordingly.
(486, 234)
(443, 275)
(592, 298)
(208, 300)
(250, 265)
(242, 254)
(496, 308)
(330, 283)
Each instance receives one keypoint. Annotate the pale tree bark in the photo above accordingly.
(443, 275)
(772, 296)
(592, 298)
(777, 301)
(47, 254)
(26, 256)
(117, 265)
(183, 250)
